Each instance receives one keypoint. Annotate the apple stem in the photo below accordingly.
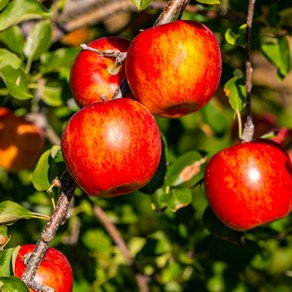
(248, 129)
(119, 56)
(58, 217)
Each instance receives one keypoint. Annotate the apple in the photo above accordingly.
(95, 77)
(21, 142)
(249, 184)
(54, 270)
(112, 148)
(174, 69)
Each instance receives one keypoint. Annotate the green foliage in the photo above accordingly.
(236, 93)
(18, 11)
(10, 212)
(277, 52)
(236, 39)
(12, 284)
(141, 4)
(211, 2)
(172, 235)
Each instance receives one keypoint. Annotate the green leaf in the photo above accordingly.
(59, 59)
(159, 176)
(219, 230)
(12, 284)
(16, 83)
(9, 59)
(235, 91)
(177, 198)
(4, 238)
(52, 93)
(6, 257)
(45, 171)
(10, 212)
(20, 10)
(214, 117)
(38, 40)
(12, 36)
(236, 39)
(3, 3)
(141, 4)
(185, 168)
(210, 2)
(278, 53)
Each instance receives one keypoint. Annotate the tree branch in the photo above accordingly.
(58, 217)
(248, 130)
(142, 280)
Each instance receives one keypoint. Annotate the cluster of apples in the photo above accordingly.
(113, 146)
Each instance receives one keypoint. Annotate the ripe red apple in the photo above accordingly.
(54, 270)
(174, 69)
(93, 75)
(21, 142)
(249, 184)
(112, 148)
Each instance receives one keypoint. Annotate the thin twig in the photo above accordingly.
(142, 280)
(248, 130)
(58, 217)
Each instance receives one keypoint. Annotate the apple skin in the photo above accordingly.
(54, 270)
(112, 148)
(174, 69)
(21, 142)
(249, 184)
(93, 76)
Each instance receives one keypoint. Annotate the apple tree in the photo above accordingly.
(145, 145)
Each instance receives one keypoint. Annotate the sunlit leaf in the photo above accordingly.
(11, 212)
(20, 10)
(9, 59)
(185, 168)
(3, 3)
(141, 4)
(58, 59)
(38, 40)
(177, 198)
(12, 284)
(52, 94)
(236, 39)
(12, 36)
(209, 1)
(45, 171)
(4, 238)
(278, 54)
(6, 257)
(235, 91)
(15, 81)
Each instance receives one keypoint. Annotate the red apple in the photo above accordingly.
(174, 69)
(54, 270)
(94, 76)
(112, 148)
(249, 184)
